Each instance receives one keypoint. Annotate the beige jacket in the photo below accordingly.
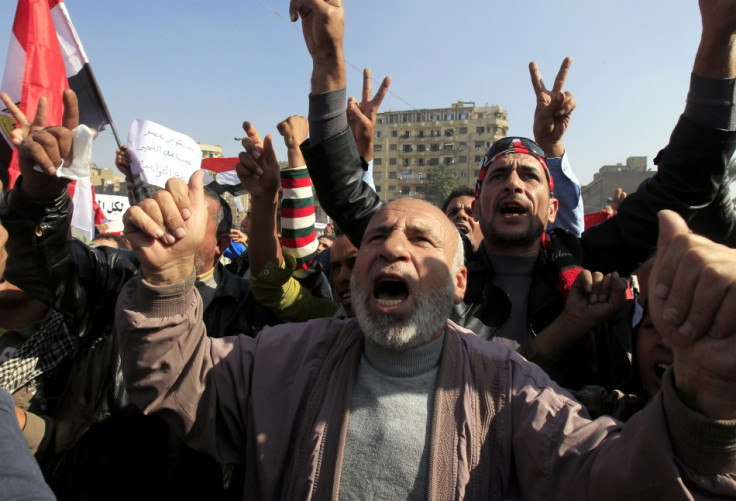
(500, 428)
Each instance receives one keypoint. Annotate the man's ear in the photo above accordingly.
(223, 240)
(475, 209)
(553, 206)
(461, 283)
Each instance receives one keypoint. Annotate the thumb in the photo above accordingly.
(196, 189)
(269, 151)
(671, 225)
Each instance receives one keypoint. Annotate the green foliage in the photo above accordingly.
(442, 180)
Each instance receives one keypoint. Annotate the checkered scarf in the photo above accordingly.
(42, 352)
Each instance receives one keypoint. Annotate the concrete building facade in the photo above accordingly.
(407, 143)
(609, 177)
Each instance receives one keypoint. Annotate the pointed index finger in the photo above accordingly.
(70, 119)
(537, 83)
(562, 74)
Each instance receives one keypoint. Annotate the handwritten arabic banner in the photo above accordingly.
(159, 153)
(114, 206)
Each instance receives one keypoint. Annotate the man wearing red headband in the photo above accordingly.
(519, 280)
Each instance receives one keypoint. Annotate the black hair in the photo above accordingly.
(224, 215)
(460, 191)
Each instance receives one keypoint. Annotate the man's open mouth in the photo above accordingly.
(462, 228)
(512, 208)
(390, 291)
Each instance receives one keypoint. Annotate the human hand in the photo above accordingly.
(47, 148)
(692, 300)
(553, 111)
(362, 116)
(258, 169)
(165, 231)
(618, 196)
(24, 127)
(295, 131)
(593, 299)
(238, 236)
(122, 160)
(323, 26)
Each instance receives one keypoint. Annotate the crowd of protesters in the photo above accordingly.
(505, 345)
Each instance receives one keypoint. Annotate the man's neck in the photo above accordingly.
(511, 250)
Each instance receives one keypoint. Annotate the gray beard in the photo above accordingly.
(396, 332)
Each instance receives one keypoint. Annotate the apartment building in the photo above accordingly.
(609, 177)
(408, 143)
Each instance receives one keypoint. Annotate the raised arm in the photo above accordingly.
(552, 116)
(692, 168)
(333, 160)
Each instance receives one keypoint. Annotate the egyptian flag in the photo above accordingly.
(45, 57)
(93, 110)
(225, 178)
(34, 68)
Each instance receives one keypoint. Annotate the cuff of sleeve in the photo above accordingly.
(34, 431)
(164, 300)
(710, 102)
(327, 105)
(18, 200)
(276, 275)
(706, 445)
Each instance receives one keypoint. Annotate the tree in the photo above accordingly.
(442, 179)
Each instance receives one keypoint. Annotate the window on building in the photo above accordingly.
(392, 189)
(448, 147)
(476, 173)
(405, 175)
(463, 115)
(377, 161)
(448, 161)
(407, 162)
(463, 159)
(378, 188)
(480, 130)
(377, 175)
(420, 161)
(420, 176)
(407, 148)
(478, 159)
(420, 133)
(377, 147)
(449, 132)
(479, 145)
(392, 161)
(392, 175)
(433, 162)
(421, 148)
(434, 133)
(434, 147)
(392, 147)
(462, 174)
(449, 116)
(405, 190)
(463, 130)
(405, 134)
(379, 121)
(394, 133)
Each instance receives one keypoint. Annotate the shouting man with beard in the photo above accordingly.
(401, 403)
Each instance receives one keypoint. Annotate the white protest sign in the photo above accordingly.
(158, 153)
(114, 206)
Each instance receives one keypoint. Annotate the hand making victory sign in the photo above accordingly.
(553, 111)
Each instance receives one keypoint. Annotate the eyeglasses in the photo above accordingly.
(517, 144)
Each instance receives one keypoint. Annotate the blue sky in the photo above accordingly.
(202, 68)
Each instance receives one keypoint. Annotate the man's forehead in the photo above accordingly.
(519, 159)
(461, 200)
